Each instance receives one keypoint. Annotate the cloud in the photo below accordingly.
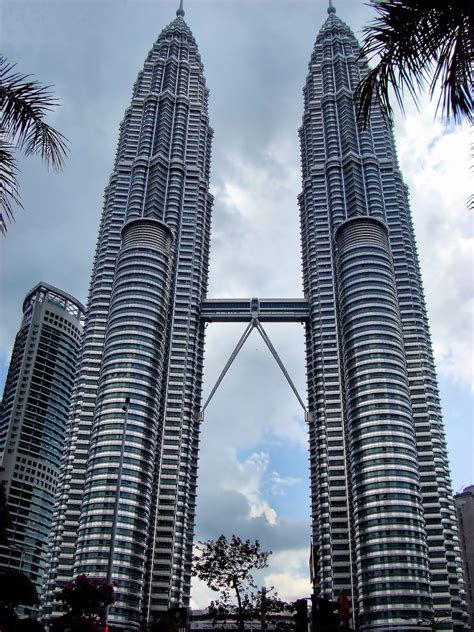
(290, 574)
(237, 501)
(255, 221)
(279, 484)
(436, 168)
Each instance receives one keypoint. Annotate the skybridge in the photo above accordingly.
(254, 311)
(232, 310)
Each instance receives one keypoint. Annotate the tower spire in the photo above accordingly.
(180, 11)
(331, 8)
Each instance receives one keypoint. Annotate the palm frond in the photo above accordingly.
(420, 44)
(23, 106)
(9, 192)
(453, 71)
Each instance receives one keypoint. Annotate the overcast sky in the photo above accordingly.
(254, 463)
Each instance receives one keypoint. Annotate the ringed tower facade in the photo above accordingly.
(383, 519)
(143, 339)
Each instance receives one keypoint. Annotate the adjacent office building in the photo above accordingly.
(383, 520)
(465, 510)
(33, 421)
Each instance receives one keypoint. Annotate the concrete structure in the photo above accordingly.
(464, 502)
(33, 422)
(383, 521)
(143, 338)
(384, 526)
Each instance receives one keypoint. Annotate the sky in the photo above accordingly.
(253, 477)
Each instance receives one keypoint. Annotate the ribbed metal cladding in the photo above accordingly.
(161, 172)
(361, 230)
(132, 366)
(391, 551)
(352, 171)
(147, 232)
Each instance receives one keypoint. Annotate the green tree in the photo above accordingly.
(226, 567)
(15, 589)
(420, 44)
(23, 106)
(85, 600)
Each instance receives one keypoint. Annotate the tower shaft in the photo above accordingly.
(146, 344)
(383, 522)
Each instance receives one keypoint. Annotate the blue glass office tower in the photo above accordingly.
(33, 417)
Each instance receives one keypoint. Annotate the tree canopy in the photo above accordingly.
(85, 599)
(227, 567)
(15, 589)
(420, 44)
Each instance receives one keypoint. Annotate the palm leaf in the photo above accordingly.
(420, 44)
(23, 106)
(9, 194)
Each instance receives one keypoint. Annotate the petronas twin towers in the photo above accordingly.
(383, 521)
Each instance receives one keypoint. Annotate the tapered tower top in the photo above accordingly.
(331, 8)
(180, 11)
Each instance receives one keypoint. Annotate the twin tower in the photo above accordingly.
(383, 523)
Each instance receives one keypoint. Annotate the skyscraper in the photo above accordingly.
(33, 418)
(383, 519)
(464, 502)
(382, 512)
(143, 339)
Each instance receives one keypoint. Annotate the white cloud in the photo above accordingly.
(201, 595)
(289, 573)
(247, 478)
(435, 164)
(279, 484)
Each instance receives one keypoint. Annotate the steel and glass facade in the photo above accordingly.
(144, 339)
(33, 419)
(383, 522)
(464, 502)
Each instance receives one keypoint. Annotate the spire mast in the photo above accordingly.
(180, 11)
(331, 8)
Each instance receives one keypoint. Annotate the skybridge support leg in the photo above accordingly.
(233, 355)
(274, 353)
(254, 323)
